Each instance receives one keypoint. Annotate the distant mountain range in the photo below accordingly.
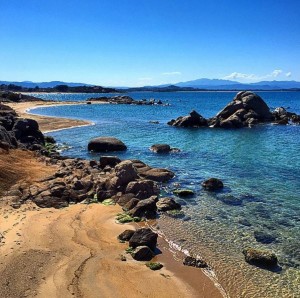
(29, 84)
(202, 84)
(218, 84)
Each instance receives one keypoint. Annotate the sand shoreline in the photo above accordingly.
(173, 280)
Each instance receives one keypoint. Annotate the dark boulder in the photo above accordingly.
(194, 262)
(144, 237)
(5, 137)
(212, 184)
(126, 235)
(146, 207)
(142, 189)
(165, 204)
(261, 258)
(155, 174)
(142, 253)
(160, 148)
(131, 204)
(192, 120)
(27, 132)
(106, 144)
(110, 161)
(124, 199)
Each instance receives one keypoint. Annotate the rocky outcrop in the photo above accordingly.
(192, 120)
(27, 132)
(143, 237)
(18, 132)
(262, 258)
(124, 99)
(106, 144)
(283, 117)
(212, 184)
(246, 109)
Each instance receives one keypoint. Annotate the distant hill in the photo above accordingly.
(206, 82)
(218, 84)
(29, 84)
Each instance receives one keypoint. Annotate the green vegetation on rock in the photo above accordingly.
(154, 265)
(108, 202)
(125, 218)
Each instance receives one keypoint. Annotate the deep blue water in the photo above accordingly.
(259, 166)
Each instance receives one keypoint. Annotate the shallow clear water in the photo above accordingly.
(260, 168)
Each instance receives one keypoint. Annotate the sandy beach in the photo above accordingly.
(47, 124)
(74, 251)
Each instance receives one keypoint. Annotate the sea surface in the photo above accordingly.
(259, 166)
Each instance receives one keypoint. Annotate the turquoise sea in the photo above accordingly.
(259, 166)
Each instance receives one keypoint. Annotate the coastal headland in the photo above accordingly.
(74, 251)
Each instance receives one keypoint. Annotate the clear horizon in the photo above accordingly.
(138, 43)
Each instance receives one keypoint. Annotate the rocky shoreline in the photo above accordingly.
(130, 183)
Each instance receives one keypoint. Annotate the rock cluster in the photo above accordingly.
(19, 133)
(142, 243)
(192, 120)
(80, 180)
(246, 109)
(124, 99)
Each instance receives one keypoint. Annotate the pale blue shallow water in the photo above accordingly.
(259, 166)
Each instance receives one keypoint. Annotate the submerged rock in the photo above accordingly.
(106, 144)
(194, 262)
(259, 257)
(183, 192)
(212, 184)
(166, 204)
(264, 237)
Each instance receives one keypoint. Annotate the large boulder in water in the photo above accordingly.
(245, 109)
(105, 144)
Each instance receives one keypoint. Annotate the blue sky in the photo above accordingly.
(147, 42)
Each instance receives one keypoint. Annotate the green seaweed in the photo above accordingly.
(125, 218)
(154, 265)
(108, 202)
